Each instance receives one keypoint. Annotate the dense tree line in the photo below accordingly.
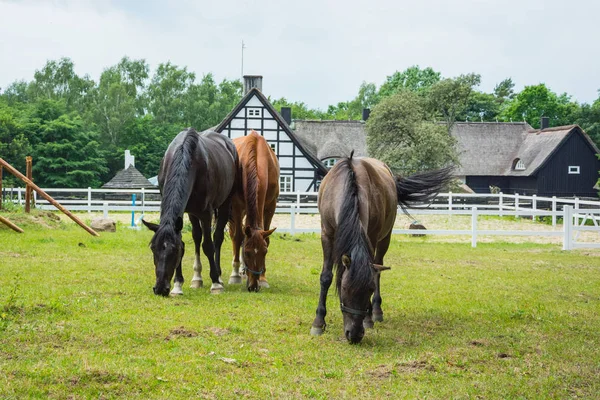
(77, 129)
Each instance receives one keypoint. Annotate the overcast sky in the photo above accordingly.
(314, 51)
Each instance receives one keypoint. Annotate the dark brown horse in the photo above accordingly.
(197, 175)
(255, 199)
(358, 200)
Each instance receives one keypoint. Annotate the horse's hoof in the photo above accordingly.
(216, 288)
(175, 293)
(235, 280)
(263, 284)
(196, 284)
(316, 331)
(377, 317)
(368, 324)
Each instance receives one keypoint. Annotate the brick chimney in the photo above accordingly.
(251, 82)
(544, 123)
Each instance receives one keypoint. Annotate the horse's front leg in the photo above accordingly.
(318, 325)
(178, 284)
(197, 235)
(382, 248)
(268, 217)
(209, 251)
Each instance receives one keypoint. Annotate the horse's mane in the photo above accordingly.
(350, 237)
(251, 181)
(177, 186)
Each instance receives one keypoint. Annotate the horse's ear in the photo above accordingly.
(179, 224)
(265, 234)
(346, 261)
(150, 225)
(380, 268)
(248, 231)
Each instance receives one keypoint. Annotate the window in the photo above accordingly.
(518, 164)
(574, 169)
(254, 112)
(329, 162)
(285, 183)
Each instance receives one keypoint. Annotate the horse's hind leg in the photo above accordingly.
(382, 248)
(197, 235)
(209, 250)
(219, 235)
(318, 325)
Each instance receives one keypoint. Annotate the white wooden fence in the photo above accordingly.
(574, 212)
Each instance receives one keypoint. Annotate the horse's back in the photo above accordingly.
(376, 195)
(254, 148)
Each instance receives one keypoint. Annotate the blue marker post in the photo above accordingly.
(133, 210)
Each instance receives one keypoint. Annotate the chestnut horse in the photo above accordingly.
(358, 201)
(197, 175)
(256, 199)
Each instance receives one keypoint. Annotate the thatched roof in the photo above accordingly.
(333, 139)
(487, 148)
(129, 178)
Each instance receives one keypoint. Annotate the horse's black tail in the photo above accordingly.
(422, 187)
(350, 237)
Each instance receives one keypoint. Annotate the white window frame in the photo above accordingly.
(254, 112)
(285, 181)
(574, 169)
(273, 146)
(520, 165)
(330, 162)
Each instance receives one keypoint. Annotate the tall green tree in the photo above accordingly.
(66, 153)
(449, 98)
(537, 101)
(166, 93)
(413, 78)
(399, 135)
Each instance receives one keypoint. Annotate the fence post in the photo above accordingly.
(143, 199)
(133, 210)
(1, 189)
(576, 203)
(19, 196)
(28, 189)
(292, 219)
(474, 227)
(501, 203)
(449, 201)
(553, 210)
(105, 210)
(534, 206)
(89, 199)
(517, 205)
(567, 227)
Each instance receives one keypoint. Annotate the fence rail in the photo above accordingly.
(574, 212)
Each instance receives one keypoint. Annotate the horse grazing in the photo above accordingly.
(358, 201)
(197, 175)
(256, 199)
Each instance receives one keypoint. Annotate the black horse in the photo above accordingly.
(197, 175)
(358, 201)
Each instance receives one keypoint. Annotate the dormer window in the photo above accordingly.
(330, 162)
(518, 165)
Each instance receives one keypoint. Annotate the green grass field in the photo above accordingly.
(78, 320)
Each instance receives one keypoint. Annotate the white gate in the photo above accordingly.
(575, 222)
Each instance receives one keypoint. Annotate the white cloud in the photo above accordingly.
(313, 51)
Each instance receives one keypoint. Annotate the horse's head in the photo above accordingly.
(167, 248)
(355, 297)
(256, 245)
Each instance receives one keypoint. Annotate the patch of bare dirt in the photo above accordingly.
(219, 331)
(181, 332)
(381, 372)
(414, 366)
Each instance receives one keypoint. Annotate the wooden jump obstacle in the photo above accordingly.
(39, 191)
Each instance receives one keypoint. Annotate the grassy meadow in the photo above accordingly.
(78, 320)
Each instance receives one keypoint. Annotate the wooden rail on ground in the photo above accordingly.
(56, 204)
(10, 224)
